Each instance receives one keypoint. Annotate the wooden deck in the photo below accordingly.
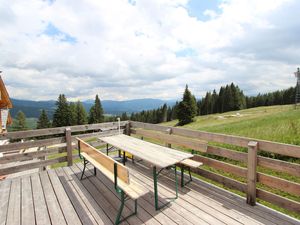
(59, 197)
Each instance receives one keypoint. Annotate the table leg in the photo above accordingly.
(124, 157)
(176, 182)
(155, 177)
(155, 188)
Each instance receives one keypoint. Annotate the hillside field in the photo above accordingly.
(274, 123)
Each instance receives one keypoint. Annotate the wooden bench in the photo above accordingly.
(124, 185)
(169, 138)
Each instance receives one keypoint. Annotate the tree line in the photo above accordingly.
(228, 98)
(66, 114)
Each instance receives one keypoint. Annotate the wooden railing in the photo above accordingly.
(51, 142)
(250, 158)
(64, 140)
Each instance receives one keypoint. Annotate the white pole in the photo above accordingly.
(119, 125)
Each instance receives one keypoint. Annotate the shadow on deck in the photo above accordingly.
(60, 197)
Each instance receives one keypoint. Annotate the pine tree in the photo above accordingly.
(96, 112)
(164, 113)
(21, 121)
(187, 108)
(43, 121)
(61, 115)
(124, 116)
(81, 115)
(73, 114)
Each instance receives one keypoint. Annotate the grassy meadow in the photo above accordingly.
(274, 123)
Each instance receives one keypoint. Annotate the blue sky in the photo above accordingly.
(53, 31)
(196, 8)
(124, 49)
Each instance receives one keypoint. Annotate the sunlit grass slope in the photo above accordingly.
(274, 123)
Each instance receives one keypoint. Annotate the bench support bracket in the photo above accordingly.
(85, 162)
(122, 199)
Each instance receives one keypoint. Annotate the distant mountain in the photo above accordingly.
(33, 108)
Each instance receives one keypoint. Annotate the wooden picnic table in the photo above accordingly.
(158, 156)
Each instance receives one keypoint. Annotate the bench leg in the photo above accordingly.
(182, 176)
(84, 166)
(123, 199)
(95, 171)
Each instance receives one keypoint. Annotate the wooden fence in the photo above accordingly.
(251, 159)
(64, 138)
(51, 142)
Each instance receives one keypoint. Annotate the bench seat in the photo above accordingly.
(134, 190)
(126, 186)
(191, 163)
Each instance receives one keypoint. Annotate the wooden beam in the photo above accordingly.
(69, 146)
(278, 200)
(30, 144)
(278, 183)
(275, 147)
(228, 182)
(60, 130)
(30, 155)
(279, 165)
(236, 170)
(251, 177)
(227, 153)
(29, 166)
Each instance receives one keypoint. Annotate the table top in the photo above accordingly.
(156, 155)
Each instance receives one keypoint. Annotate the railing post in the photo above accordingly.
(69, 146)
(127, 128)
(251, 176)
(168, 131)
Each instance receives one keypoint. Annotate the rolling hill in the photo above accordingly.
(32, 108)
(274, 123)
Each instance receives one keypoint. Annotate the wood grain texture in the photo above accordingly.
(251, 172)
(31, 165)
(61, 130)
(155, 154)
(278, 200)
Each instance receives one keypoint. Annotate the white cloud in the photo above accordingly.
(125, 50)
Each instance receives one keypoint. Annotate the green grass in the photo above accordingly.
(273, 123)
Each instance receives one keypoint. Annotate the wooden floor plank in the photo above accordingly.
(89, 201)
(28, 216)
(234, 202)
(60, 197)
(83, 213)
(14, 204)
(180, 206)
(215, 210)
(55, 212)
(5, 187)
(65, 203)
(40, 207)
(237, 203)
(146, 217)
(106, 205)
(167, 211)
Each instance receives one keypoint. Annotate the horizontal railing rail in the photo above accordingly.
(248, 162)
(16, 157)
